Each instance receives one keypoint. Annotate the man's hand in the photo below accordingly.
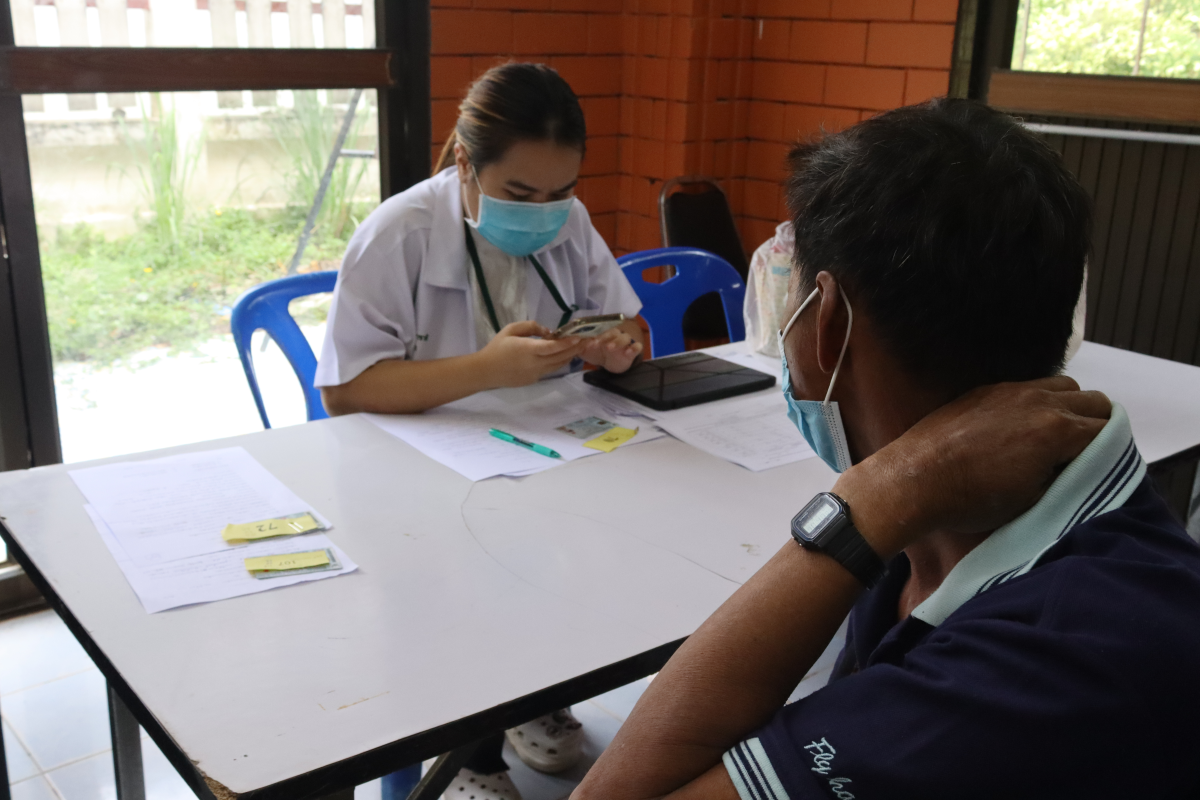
(514, 358)
(974, 464)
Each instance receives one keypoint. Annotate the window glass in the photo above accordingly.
(152, 220)
(1150, 38)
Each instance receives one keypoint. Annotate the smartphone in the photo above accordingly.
(588, 327)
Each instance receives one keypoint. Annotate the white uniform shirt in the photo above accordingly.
(507, 279)
(404, 289)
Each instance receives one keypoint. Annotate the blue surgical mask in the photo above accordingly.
(517, 228)
(819, 422)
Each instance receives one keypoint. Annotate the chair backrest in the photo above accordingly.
(697, 272)
(265, 307)
(693, 212)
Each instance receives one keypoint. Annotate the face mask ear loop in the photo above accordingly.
(466, 205)
(796, 316)
(845, 344)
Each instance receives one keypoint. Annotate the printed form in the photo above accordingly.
(162, 520)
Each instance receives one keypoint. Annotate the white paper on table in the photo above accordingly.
(164, 509)
(456, 434)
(213, 576)
(752, 430)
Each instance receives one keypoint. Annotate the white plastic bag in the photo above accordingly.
(766, 290)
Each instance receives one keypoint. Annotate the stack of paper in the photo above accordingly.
(162, 520)
(547, 412)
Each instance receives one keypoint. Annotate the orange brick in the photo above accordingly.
(797, 83)
(645, 196)
(741, 120)
(647, 43)
(935, 10)
(674, 159)
(604, 34)
(481, 64)
(626, 192)
(872, 9)
(626, 155)
(449, 76)
(723, 38)
(515, 5)
(627, 115)
(718, 120)
(624, 234)
(794, 9)
(601, 195)
(662, 42)
(470, 32)
(643, 119)
(865, 87)
(601, 6)
(743, 85)
(649, 158)
(740, 158)
(653, 77)
(629, 32)
(771, 37)
(756, 231)
(601, 156)
(450, 4)
(542, 34)
(804, 122)
(761, 199)
(689, 8)
(603, 115)
(683, 122)
(684, 35)
(655, 6)
(829, 42)
(444, 114)
(658, 116)
(766, 160)
(923, 84)
(590, 76)
(910, 45)
(646, 233)
(685, 78)
(722, 158)
(766, 121)
(629, 73)
(606, 226)
(691, 159)
(727, 79)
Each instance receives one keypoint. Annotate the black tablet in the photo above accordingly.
(682, 380)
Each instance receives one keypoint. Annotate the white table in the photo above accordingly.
(476, 607)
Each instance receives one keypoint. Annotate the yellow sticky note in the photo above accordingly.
(313, 558)
(611, 439)
(284, 526)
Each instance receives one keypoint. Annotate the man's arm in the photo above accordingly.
(969, 467)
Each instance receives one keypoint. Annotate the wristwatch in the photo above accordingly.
(824, 525)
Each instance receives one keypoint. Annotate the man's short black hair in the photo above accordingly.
(957, 231)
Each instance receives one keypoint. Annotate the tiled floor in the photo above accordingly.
(56, 738)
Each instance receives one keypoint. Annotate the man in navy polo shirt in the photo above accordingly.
(1035, 632)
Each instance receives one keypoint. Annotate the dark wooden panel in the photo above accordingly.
(1105, 198)
(1187, 211)
(41, 70)
(1141, 223)
(1096, 96)
(1144, 320)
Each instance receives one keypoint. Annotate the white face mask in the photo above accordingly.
(819, 422)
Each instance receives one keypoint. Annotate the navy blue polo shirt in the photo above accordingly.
(1059, 659)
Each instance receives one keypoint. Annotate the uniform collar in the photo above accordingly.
(1099, 480)
(446, 265)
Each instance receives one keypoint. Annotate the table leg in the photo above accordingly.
(442, 772)
(127, 749)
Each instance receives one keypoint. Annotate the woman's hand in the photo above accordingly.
(514, 358)
(615, 351)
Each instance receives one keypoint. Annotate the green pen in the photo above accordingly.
(537, 448)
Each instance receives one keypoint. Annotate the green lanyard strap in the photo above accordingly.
(487, 296)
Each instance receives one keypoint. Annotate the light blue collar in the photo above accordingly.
(1100, 479)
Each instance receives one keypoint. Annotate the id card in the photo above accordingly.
(287, 564)
(587, 428)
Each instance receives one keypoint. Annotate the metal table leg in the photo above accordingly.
(127, 750)
(434, 783)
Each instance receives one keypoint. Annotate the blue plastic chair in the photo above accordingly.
(697, 272)
(265, 307)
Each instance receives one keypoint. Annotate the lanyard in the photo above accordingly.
(487, 296)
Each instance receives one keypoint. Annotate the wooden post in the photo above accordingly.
(300, 23)
(25, 33)
(114, 32)
(73, 32)
(258, 28)
(223, 14)
(333, 24)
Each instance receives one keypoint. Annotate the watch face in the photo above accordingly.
(812, 519)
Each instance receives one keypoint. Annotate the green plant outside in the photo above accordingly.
(165, 166)
(1101, 37)
(107, 299)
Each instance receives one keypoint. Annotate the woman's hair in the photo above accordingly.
(511, 103)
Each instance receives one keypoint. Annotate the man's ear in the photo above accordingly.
(832, 322)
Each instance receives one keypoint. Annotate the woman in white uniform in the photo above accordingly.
(452, 287)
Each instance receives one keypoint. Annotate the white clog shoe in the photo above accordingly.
(549, 744)
(468, 785)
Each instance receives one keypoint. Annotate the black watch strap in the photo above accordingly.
(824, 525)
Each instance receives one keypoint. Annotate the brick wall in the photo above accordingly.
(712, 87)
